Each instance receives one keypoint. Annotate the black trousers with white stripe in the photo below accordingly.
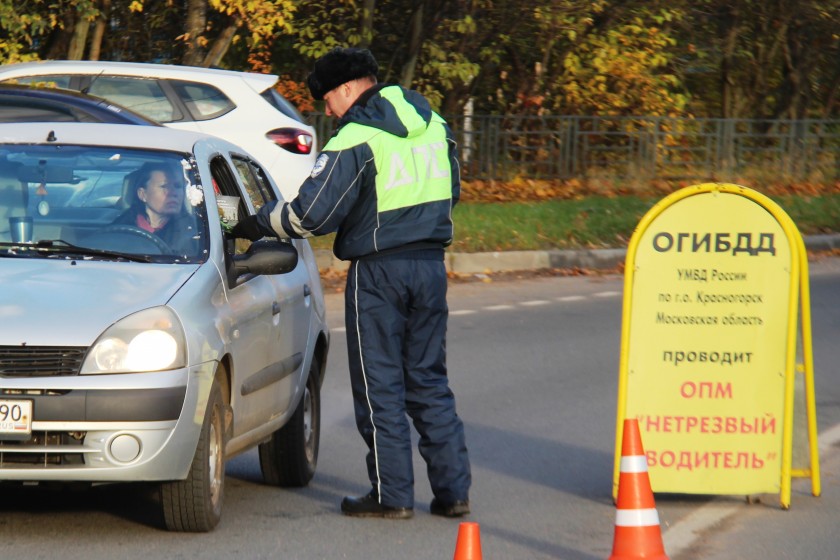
(396, 314)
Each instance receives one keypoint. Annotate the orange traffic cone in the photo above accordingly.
(637, 533)
(468, 546)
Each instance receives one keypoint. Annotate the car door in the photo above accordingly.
(250, 321)
(292, 291)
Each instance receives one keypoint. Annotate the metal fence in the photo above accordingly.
(562, 147)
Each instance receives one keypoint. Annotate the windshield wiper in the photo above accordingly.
(61, 247)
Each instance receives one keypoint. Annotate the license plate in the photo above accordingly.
(15, 419)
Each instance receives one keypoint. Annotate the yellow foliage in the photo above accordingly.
(621, 71)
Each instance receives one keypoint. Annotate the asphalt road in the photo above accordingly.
(533, 364)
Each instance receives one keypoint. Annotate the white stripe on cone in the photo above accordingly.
(634, 464)
(636, 517)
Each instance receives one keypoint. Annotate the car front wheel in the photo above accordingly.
(195, 504)
(289, 458)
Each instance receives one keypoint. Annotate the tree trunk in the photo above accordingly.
(221, 45)
(795, 97)
(765, 58)
(366, 30)
(414, 44)
(832, 98)
(76, 49)
(195, 25)
(99, 29)
(727, 66)
(58, 44)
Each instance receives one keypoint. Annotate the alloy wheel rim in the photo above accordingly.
(214, 458)
(308, 435)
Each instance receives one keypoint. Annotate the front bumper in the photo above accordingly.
(108, 428)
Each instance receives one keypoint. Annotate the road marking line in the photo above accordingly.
(682, 535)
(339, 329)
(531, 303)
(462, 312)
(829, 439)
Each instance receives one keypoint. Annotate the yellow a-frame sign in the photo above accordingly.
(716, 278)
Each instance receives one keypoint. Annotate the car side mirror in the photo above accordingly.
(266, 257)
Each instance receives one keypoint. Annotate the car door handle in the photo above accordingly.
(275, 308)
(306, 290)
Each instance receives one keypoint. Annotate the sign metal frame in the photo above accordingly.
(798, 308)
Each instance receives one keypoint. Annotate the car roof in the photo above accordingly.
(259, 82)
(103, 134)
(33, 104)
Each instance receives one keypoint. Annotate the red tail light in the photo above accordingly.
(292, 139)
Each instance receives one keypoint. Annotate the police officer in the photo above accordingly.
(386, 182)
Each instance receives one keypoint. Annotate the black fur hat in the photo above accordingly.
(340, 66)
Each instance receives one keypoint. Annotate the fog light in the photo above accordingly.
(124, 448)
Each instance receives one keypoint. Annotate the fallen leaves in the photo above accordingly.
(536, 190)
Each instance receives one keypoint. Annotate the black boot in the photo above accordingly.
(369, 506)
(457, 508)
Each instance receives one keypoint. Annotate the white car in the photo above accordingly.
(131, 353)
(241, 107)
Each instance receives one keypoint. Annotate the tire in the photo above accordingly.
(289, 458)
(195, 504)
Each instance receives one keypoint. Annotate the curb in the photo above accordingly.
(507, 261)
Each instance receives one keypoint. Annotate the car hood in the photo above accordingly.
(48, 302)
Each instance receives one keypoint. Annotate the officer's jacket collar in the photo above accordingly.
(390, 108)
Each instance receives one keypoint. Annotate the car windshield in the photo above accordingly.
(62, 201)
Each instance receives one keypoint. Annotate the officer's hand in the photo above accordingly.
(247, 228)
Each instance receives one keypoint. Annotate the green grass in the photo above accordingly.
(554, 224)
(592, 222)
(813, 214)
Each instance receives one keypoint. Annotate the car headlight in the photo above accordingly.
(150, 340)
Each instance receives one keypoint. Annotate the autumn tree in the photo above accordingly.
(22, 25)
(429, 51)
(731, 58)
(192, 32)
(519, 50)
(625, 69)
(763, 59)
(418, 43)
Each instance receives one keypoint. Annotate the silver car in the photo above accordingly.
(129, 352)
